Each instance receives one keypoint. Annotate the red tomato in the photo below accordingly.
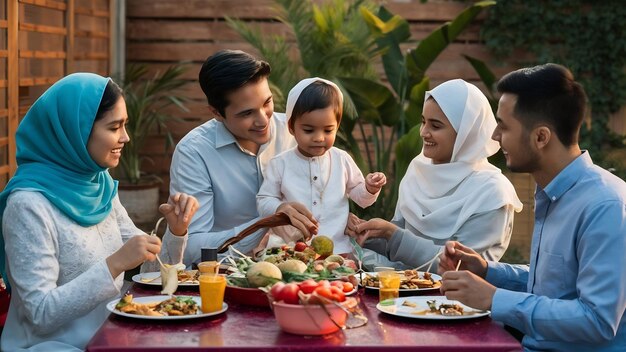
(337, 283)
(289, 294)
(300, 246)
(324, 292)
(323, 283)
(275, 290)
(347, 287)
(338, 294)
(308, 286)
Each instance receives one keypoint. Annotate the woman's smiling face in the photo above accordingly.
(437, 132)
(108, 136)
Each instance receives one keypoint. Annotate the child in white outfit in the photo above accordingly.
(315, 173)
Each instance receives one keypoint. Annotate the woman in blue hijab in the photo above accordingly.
(66, 238)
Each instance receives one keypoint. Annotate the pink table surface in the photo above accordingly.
(244, 327)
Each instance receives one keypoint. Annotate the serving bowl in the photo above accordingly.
(310, 319)
(246, 296)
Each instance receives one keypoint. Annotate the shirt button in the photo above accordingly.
(314, 178)
(553, 198)
(314, 202)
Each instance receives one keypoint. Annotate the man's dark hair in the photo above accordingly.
(112, 93)
(317, 95)
(547, 94)
(226, 71)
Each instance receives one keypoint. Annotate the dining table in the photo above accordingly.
(245, 327)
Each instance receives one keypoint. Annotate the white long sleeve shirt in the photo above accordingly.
(323, 184)
(58, 273)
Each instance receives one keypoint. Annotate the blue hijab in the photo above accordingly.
(52, 156)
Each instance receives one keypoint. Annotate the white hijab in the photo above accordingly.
(437, 199)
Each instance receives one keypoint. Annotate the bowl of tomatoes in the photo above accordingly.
(310, 307)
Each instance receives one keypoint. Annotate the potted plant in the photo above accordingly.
(147, 101)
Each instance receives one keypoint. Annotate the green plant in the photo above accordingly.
(340, 40)
(587, 37)
(147, 100)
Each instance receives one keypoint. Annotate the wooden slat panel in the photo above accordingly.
(94, 13)
(4, 112)
(3, 83)
(5, 169)
(37, 81)
(92, 34)
(200, 9)
(31, 27)
(38, 54)
(412, 10)
(179, 51)
(13, 77)
(4, 53)
(4, 141)
(70, 19)
(91, 56)
(4, 23)
(23, 110)
(56, 5)
(170, 30)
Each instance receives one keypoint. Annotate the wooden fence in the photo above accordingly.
(40, 42)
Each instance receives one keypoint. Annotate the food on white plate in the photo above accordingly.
(180, 305)
(409, 279)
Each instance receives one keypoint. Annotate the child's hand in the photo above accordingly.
(375, 181)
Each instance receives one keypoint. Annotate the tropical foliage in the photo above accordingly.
(147, 101)
(342, 40)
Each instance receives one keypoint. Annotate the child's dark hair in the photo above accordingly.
(112, 93)
(226, 71)
(317, 95)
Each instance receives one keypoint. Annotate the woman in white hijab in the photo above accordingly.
(450, 191)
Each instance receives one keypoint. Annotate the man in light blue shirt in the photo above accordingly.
(572, 297)
(221, 162)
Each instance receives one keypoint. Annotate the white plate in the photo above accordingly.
(417, 312)
(150, 299)
(435, 277)
(148, 277)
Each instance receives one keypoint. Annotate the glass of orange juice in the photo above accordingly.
(389, 285)
(212, 292)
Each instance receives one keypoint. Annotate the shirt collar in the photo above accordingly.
(223, 137)
(568, 176)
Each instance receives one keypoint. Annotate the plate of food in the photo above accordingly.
(410, 280)
(185, 278)
(161, 307)
(429, 307)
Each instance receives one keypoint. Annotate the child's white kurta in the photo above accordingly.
(323, 184)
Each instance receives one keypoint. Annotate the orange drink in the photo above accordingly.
(212, 292)
(389, 285)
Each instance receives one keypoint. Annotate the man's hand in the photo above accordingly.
(178, 211)
(470, 260)
(375, 181)
(468, 289)
(300, 217)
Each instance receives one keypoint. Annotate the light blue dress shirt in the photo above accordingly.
(210, 165)
(573, 295)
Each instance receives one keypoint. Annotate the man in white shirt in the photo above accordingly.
(221, 162)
